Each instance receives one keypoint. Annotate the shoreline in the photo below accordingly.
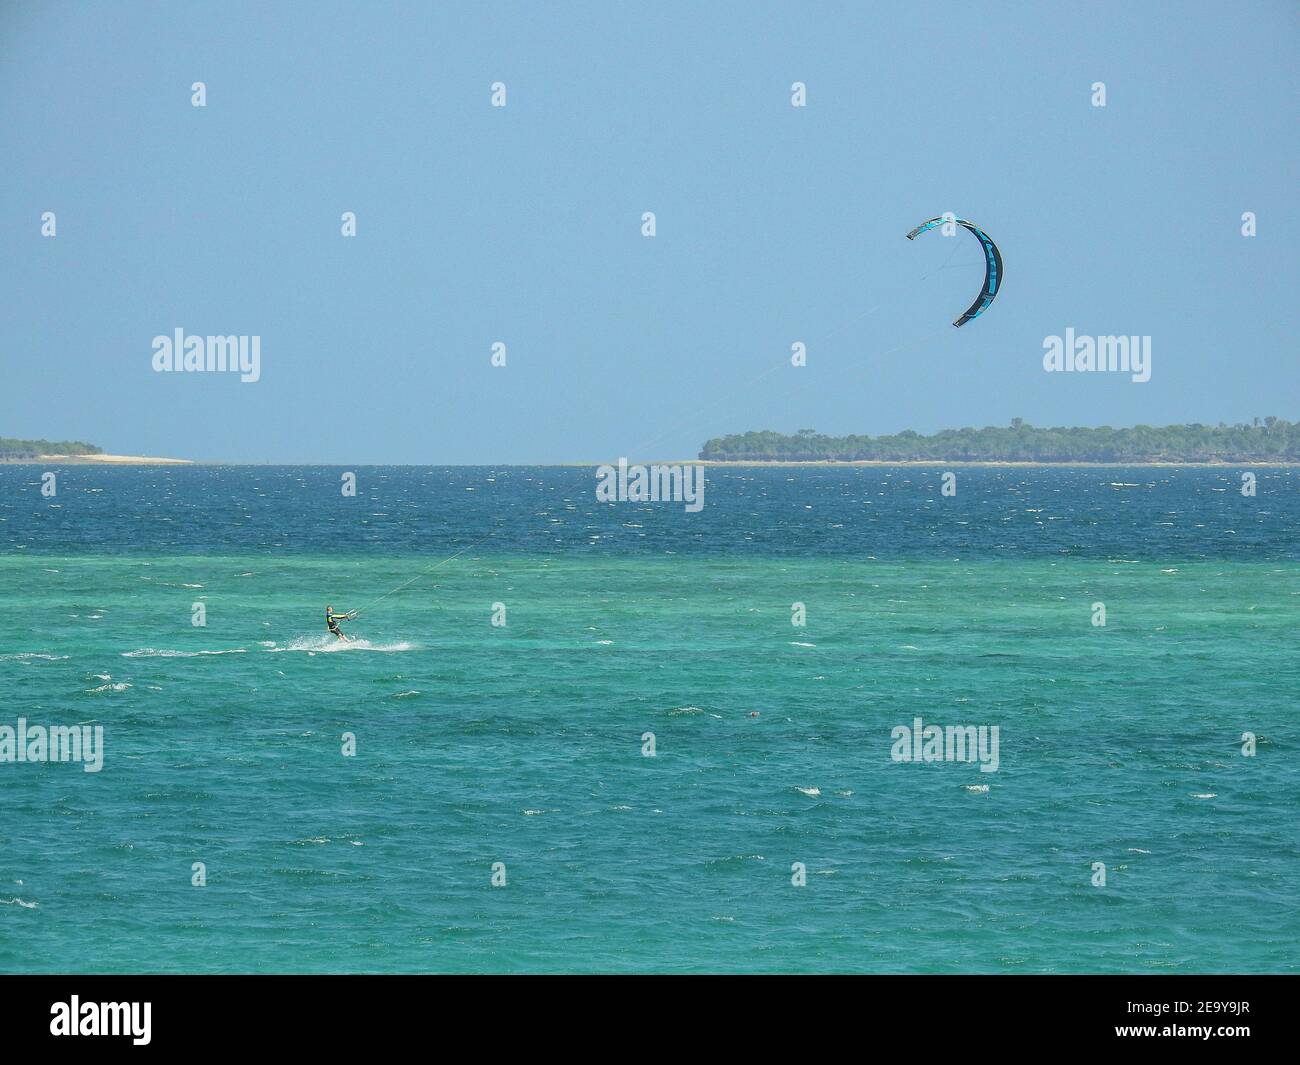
(149, 460)
(98, 460)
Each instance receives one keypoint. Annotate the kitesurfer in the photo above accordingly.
(332, 622)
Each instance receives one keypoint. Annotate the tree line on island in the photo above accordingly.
(17, 450)
(1264, 440)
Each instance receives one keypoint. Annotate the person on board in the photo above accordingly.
(332, 622)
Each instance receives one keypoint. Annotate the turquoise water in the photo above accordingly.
(522, 744)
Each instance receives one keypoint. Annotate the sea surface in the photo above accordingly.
(502, 812)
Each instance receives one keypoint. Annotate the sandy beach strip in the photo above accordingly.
(100, 460)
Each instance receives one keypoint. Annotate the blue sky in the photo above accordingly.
(775, 224)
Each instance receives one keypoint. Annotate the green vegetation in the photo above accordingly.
(12, 450)
(1267, 440)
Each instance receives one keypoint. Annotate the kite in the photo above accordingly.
(992, 260)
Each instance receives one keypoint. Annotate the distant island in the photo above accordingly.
(20, 450)
(12, 450)
(1267, 440)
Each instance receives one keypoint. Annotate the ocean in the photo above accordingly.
(575, 736)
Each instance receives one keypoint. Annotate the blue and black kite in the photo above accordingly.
(992, 259)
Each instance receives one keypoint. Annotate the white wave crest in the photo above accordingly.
(29, 656)
(154, 652)
(327, 644)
